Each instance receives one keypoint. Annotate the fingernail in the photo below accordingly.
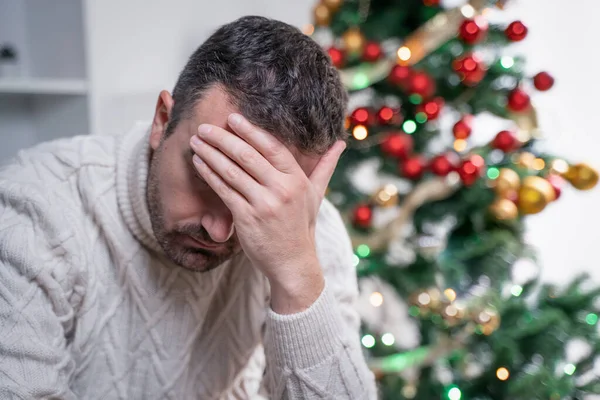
(196, 159)
(235, 119)
(204, 128)
(196, 141)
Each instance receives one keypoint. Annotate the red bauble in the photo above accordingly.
(505, 141)
(442, 164)
(413, 167)
(337, 57)
(363, 215)
(470, 170)
(372, 52)
(543, 81)
(422, 84)
(470, 69)
(462, 129)
(362, 116)
(398, 145)
(431, 108)
(516, 31)
(557, 183)
(518, 100)
(389, 116)
(400, 75)
(472, 31)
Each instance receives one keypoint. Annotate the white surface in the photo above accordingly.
(43, 86)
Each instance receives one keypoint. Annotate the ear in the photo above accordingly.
(162, 116)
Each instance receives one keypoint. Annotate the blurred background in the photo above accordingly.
(78, 67)
(95, 67)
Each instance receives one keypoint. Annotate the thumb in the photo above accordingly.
(321, 174)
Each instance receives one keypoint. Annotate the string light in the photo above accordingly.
(538, 164)
(308, 29)
(355, 260)
(493, 173)
(409, 126)
(591, 319)
(569, 369)
(560, 166)
(460, 145)
(388, 339)
(404, 53)
(516, 290)
(376, 299)
(450, 294)
(360, 132)
(424, 298)
(453, 393)
(421, 117)
(467, 11)
(502, 373)
(360, 81)
(363, 250)
(415, 98)
(507, 62)
(368, 341)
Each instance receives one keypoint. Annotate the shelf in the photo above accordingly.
(43, 86)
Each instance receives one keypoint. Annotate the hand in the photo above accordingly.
(274, 204)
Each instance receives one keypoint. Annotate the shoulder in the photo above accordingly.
(54, 161)
(40, 201)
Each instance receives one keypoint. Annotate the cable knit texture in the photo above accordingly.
(90, 308)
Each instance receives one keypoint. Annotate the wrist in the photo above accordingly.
(297, 289)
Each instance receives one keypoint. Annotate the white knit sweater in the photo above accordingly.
(90, 308)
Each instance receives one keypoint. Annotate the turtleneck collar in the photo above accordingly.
(132, 178)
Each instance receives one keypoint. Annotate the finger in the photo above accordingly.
(268, 145)
(321, 174)
(239, 151)
(224, 173)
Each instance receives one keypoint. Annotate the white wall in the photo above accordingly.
(562, 38)
(149, 41)
(148, 44)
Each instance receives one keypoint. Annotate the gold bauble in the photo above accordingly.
(353, 41)
(582, 176)
(387, 196)
(504, 209)
(535, 193)
(333, 5)
(507, 183)
(322, 15)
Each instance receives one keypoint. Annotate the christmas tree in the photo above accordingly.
(436, 217)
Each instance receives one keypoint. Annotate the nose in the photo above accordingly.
(219, 225)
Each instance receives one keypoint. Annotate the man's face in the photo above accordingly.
(190, 222)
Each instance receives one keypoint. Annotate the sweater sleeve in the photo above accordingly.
(316, 353)
(35, 315)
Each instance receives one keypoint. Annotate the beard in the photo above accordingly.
(195, 259)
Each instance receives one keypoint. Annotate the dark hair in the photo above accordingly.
(280, 79)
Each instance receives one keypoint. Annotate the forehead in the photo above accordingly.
(214, 108)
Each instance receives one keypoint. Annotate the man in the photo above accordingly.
(159, 264)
